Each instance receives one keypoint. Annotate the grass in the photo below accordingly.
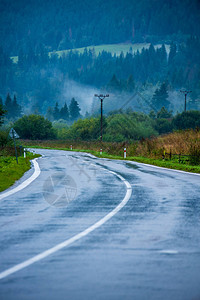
(112, 48)
(10, 171)
(92, 148)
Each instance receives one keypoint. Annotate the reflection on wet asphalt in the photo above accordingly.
(149, 250)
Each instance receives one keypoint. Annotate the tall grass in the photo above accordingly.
(181, 142)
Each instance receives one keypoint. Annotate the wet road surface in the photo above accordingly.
(149, 249)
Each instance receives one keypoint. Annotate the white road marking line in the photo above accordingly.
(168, 251)
(25, 183)
(74, 238)
(157, 167)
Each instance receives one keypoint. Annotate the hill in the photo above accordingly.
(112, 48)
(67, 24)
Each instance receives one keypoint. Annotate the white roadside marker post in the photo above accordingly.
(71, 147)
(124, 152)
(101, 151)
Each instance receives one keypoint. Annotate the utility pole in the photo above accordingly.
(101, 97)
(185, 92)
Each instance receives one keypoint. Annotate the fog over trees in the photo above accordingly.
(38, 79)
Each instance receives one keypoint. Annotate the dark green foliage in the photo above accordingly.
(5, 140)
(131, 71)
(74, 109)
(8, 106)
(160, 97)
(87, 129)
(13, 109)
(116, 128)
(130, 84)
(34, 127)
(152, 114)
(64, 112)
(2, 114)
(69, 24)
(113, 84)
(163, 126)
(164, 113)
(56, 112)
(16, 108)
(186, 120)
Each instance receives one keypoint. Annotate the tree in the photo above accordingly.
(152, 114)
(160, 97)
(64, 112)
(56, 112)
(113, 84)
(34, 127)
(74, 109)
(186, 120)
(172, 53)
(2, 112)
(9, 106)
(164, 114)
(130, 84)
(16, 108)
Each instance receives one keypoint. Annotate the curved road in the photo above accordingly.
(89, 228)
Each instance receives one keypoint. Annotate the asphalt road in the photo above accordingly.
(89, 228)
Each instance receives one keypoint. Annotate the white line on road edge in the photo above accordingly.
(25, 183)
(74, 238)
(163, 168)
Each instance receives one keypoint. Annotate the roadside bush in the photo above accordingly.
(187, 120)
(4, 138)
(34, 127)
(87, 129)
(163, 126)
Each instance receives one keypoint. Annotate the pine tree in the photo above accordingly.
(172, 53)
(74, 109)
(164, 114)
(64, 112)
(113, 84)
(16, 108)
(9, 106)
(160, 97)
(130, 84)
(2, 111)
(56, 112)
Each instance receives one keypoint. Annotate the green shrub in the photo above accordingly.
(34, 127)
(187, 120)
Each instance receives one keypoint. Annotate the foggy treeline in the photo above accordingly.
(39, 79)
(61, 24)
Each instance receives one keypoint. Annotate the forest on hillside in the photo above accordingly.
(30, 29)
(61, 24)
(40, 80)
